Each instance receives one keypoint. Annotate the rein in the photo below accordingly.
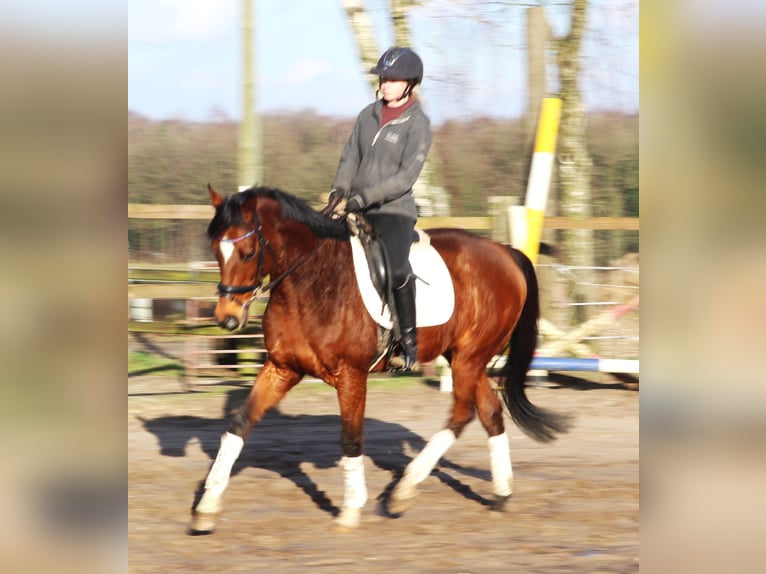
(274, 282)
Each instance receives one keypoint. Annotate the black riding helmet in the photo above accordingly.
(400, 63)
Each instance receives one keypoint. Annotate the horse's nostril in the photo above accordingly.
(230, 323)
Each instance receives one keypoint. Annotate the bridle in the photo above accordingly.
(258, 287)
(229, 290)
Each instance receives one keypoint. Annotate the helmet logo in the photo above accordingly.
(391, 59)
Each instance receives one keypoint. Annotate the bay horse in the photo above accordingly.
(316, 324)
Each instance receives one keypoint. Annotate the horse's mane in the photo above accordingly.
(229, 213)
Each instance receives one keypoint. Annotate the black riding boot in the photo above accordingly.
(404, 299)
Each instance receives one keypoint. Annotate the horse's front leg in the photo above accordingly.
(270, 386)
(352, 394)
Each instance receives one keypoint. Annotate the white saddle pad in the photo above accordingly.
(434, 293)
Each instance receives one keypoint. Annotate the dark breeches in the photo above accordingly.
(396, 232)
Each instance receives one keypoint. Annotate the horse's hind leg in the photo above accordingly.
(490, 411)
(465, 374)
(269, 387)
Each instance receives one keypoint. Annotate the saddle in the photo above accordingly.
(434, 293)
(377, 261)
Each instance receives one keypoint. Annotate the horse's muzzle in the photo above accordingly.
(230, 314)
(230, 323)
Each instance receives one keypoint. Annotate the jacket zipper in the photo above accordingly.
(397, 121)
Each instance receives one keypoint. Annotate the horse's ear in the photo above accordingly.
(215, 198)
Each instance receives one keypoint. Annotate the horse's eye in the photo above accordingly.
(249, 257)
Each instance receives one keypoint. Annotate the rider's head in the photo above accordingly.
(400, 64)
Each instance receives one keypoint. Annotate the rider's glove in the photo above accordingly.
(336, 193)
(354, 203)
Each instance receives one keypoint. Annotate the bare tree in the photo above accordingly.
(431, 198)
(402, 32)
(364, 34)
(574, 161)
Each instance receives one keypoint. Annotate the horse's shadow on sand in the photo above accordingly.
(284, 444)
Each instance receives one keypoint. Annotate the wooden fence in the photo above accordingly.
(194, 284)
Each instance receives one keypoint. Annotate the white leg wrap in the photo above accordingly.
(500, 459)
(419, 469)
(354, 485)
(218, 478)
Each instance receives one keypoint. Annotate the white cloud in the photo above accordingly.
(172, 21)
(304, 70)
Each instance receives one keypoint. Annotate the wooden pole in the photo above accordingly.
(250, 162)
(537, 36)
(540, 177)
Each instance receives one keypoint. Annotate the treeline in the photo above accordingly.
(172, 161)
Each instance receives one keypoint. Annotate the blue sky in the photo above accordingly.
(184, 57)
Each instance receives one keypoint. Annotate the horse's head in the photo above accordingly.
(238, 232)
(238, 244)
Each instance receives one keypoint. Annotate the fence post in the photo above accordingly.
(499, 208)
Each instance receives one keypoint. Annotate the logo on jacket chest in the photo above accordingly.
(391, 137)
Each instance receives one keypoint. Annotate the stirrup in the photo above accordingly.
(399, 364)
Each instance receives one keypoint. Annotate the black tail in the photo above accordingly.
(538, 423)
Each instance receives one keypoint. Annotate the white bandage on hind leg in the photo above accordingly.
(419, 469)
(218, 478)
(354, 485)
(500, 459)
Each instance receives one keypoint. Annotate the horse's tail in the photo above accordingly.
(536, 422)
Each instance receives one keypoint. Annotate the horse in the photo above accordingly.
(315, 324)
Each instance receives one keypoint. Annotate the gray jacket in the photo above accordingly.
(381, 164)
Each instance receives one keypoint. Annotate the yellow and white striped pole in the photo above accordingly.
(539, 180)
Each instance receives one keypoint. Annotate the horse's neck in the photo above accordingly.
(318, 266)
(298, 252)
(292, 243)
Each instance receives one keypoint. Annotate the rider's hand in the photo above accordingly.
(336, 194)
(355, 203)
(335, 201)
(339, 210)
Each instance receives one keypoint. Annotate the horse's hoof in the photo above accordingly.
(202, 523)
(498, 504)
(400, 505)
(348, 520)
(402, 499)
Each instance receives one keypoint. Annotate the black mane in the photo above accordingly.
(229, 213)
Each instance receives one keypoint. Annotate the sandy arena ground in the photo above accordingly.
(575, 506)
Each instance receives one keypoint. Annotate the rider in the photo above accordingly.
(379, 164)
